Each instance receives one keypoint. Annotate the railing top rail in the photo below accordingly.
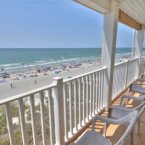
(131, 59)
(22, 95)
(85, 74)
(119, 63)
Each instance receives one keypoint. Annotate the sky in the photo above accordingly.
(53, 24)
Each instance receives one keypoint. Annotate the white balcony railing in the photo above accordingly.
(124, 74)
(80, 101)
(54, 113)
(27, 102)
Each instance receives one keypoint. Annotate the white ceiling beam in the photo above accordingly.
(102, 6)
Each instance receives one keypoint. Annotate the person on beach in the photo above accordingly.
(35, 82)
(11, 85)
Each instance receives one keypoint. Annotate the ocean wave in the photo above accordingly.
(11, 64)
(40, 63)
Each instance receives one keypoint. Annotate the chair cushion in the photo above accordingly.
(93, 138)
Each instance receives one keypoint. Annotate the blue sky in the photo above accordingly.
(53, 24)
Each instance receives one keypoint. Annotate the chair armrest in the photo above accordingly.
(142, 76)
(137, 88)
(115, 121)
(134, 84)
(141, 105)
(120, 108)
(128, 97)
(133, 98)
(141, 79)
(139, 82)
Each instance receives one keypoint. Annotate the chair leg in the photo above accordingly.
(131, 137)
(104, 129)
(138, 127)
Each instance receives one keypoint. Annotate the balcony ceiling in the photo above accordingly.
(102, 6)
(133, 8)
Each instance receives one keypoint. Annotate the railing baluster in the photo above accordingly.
(65, 111)
(42, 109)
(80, 101)
(96, 87)
(98, 92)
(33, 119)
(103, 103)
(22, 122)
(70, 106)
(50, 116)
(101, 89)
(75, 105)
(94, 92)
(87, 98)
(91, 93)
(84, 108)
(10, 124)
(127, 76)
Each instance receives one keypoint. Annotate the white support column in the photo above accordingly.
(138, 46)
(109, 48)
(57, 95)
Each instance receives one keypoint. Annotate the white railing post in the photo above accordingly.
(57, 94)
(109, 47)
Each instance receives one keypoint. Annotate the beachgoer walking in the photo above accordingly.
(11, 85)
(35, 82)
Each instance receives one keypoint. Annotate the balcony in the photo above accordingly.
(60, 112)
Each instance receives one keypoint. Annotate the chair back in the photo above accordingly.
(131, 118)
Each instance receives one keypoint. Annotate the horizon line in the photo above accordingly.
(58, 47)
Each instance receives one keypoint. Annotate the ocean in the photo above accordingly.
(14, 58)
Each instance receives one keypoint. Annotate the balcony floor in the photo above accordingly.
(114, 132)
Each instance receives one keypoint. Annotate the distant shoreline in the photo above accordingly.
(21, 71)
(16, 85)
(35, 58)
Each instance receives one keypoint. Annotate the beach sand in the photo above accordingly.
(14, 87)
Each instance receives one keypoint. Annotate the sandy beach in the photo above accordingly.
(17, 83)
